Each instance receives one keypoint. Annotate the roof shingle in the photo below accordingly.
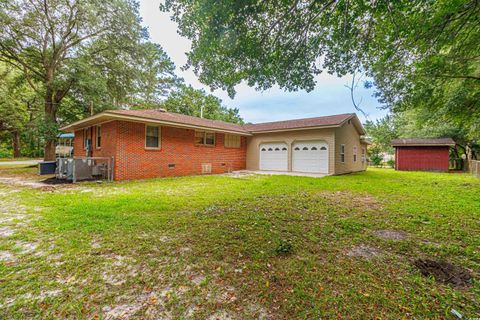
(181, 119)
(325, 121)
(173, 118)
(423, 142)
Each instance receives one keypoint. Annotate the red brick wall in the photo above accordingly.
(108, 141)
(422, 158)
(134, 161)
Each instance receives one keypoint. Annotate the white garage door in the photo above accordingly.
(310, 156)
(274, 156)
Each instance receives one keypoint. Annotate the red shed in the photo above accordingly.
(422, 154)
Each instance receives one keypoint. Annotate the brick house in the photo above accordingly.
(157, 143)
(422, 154)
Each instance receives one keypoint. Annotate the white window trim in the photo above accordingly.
(159, 137)
(205, 138)
(364, 152)
(97, 136)
(342, 153)
(355, 154)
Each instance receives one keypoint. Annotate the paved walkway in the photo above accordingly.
(19, 162)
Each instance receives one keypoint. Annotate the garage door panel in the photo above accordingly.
(310, 156)
(273, 157)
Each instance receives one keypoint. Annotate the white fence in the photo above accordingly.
(474, 167)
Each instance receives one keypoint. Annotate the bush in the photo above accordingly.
(5, 153)
(284, 247)
(375, 156)
(376, 159)
(391, 163)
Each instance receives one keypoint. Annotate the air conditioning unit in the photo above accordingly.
(98, 170)
(206, 168)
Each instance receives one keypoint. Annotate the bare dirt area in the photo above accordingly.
(358, 201)
(364, 251)
(444, 272)
(41, 184)
(388, 234)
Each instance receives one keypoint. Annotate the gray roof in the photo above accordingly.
(423, 142)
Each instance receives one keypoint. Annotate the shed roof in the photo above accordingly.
(423, 142)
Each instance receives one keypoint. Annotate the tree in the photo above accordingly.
(15, 96)
(375, 156)
(382, 132)
(84, 50)
(420, 123)
(198, 103)
(420, 54)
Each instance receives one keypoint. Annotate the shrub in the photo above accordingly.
(391, 163)
(284, 247)
(376, 159)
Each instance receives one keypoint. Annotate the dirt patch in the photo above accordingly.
(197, 279)
(44, 185)
(152, 303)
(227, 295)
(96, 244)
(363, 251)
(26, 247)
(6, 231)
(9, 218)
(258, 311)
(359, 201)
(7, 256)
(118, 269)
(32, 297)
(221, 315)
(388, 234)
(444, 272)
(123, 311)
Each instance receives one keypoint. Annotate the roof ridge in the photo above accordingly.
(300, 119)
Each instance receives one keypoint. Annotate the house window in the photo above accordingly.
(204, 138)
(232, 141)
(342, 153)
(354, 154)
(99, 136)
(152, 137)
(363, 155)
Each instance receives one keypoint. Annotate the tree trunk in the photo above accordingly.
(16, 144)
(50, 118)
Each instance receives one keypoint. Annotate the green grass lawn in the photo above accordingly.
(248, 247)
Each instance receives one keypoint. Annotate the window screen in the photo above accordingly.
(204, 138)
(232, 141)
(152, 137)
(99, 137)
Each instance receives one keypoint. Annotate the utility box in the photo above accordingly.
(47, 167)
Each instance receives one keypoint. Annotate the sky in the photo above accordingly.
(329, 97)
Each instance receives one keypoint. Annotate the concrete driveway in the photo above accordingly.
(20, 162)
(298, 174)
